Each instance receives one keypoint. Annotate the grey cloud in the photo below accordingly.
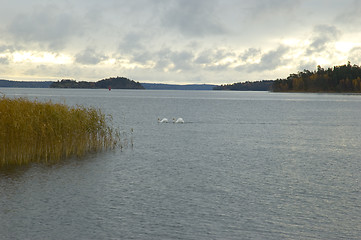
(204, 57)
(269, 61)
(199, 34)
(131, 42)
(210, 56)
(272, 7)
(45, 25)
(4, 60)
(272, 14)
(37, 70)
(219, 67)
(324, 34)
(309, 65)
(223, 53)
(163, 58)
(73, 71)
(7, 48)
(181, 60)
(132, 45)
(142, 57)
(351, 17)
(249, 53)
(355, 55)
(194, 18)
(273, 59)
(89, 57)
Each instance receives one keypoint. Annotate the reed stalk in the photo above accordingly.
(32, 131)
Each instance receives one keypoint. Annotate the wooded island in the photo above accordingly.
(345, 78)
(115, 83)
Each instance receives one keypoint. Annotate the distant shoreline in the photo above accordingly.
(25, 84)
(147, 86)
(67, 83)
(339, 79)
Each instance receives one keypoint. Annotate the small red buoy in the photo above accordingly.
(110, 88)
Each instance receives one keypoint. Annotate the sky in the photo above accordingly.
(175, 41)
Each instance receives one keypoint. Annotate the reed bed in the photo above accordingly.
(32, 131)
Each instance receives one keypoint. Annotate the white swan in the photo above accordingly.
(164, 120)
(179, 120)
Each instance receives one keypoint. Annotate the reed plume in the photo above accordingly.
(32, 131)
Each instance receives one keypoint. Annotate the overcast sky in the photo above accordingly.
(175, 41)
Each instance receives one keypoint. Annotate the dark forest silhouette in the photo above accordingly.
(115, 83)
(345, 78)
(264, 85)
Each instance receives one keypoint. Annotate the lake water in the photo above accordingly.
(244, 165)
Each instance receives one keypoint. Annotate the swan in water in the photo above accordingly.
(179, 120)
(164, 120)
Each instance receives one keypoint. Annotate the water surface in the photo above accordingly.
(245, 165)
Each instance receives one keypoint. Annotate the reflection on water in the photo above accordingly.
(244, 165)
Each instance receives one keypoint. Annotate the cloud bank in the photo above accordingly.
(175, 41)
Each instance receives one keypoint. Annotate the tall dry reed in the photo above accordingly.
(32, 131)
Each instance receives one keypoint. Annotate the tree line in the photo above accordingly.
(344, 78)
(115, 83)
(264, 85)
(25, 84)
